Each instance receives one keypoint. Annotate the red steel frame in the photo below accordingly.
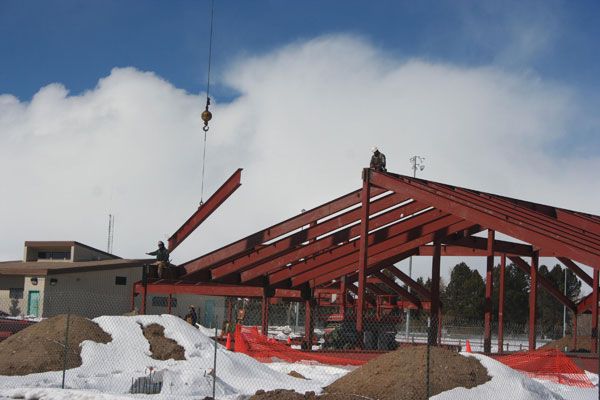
(357, 236)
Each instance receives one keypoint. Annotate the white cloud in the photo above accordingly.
(302, 127)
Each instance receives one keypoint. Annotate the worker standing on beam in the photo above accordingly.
(378, 160)
(162, 259)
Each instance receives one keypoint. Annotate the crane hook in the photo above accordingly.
(206, 115)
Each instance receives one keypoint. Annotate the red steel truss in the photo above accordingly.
(356, 237)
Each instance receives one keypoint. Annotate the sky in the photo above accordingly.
(100, 106)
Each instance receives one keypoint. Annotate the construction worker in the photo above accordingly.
(191, 317)
(162, 259)
(377, 160)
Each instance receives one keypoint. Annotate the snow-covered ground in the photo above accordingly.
(109, 369)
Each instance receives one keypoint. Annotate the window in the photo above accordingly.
(16, 293)
(120, 280)
(163, 301)
(54, 255)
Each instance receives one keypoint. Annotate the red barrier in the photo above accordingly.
(547, 364)
(249, 341)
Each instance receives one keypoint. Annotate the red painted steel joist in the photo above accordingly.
(251, 242)
(549, 233)
(206, 209)
(544, 282)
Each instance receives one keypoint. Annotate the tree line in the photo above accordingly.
(463, 297)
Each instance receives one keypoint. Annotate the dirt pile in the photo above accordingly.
(584, 344)
(40, 347)
(284, 394)
(161, 347)
(401, 375)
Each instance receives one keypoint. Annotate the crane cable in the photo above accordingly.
(206, 114)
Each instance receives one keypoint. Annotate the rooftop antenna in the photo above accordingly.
(111, 233)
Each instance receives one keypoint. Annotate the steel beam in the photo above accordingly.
(308, 323)
(419, 289)
(347, 253)
(363, 255)
(206, 209)
(257, 261)
(533, 300)
(489, 276)
(544, 282)
(473, 210)
(578, 271)
(399, 235)
(368, 297)
(389, 282)
(390, 256)
(595, 311)
(501, 292)
(251, 242)
(533, 218)
(320, 245)
(207, 289)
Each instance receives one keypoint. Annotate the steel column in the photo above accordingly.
(308, 324)
(574, 331)
(595, 310)
(489, 280)
(533, 274)
(363, 255)
(435, 292)
(501, 292)
(170, 301)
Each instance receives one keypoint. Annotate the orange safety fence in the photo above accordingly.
(249, 341)
(547, 364)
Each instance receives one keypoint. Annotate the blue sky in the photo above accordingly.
(77, 42)
(498, 96)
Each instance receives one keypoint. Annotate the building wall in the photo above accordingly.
(28, 286)
(31, 253)
(202, 304)
(84, 254)
(12, 306)
(90, 293)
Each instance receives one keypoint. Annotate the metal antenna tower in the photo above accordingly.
(111, 233)
(417, 164)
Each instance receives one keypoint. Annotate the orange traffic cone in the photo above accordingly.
(468, 346)
(228, 342)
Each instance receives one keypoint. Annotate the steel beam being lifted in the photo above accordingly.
(206, 209)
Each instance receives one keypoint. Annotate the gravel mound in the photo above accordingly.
(161, 347)
(584, 344)
(401, 375)
(40, 347)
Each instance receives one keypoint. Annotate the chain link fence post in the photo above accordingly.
(66, 349)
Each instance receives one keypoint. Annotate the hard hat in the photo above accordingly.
(374, 149)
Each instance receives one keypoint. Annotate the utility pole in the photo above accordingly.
(416, 163)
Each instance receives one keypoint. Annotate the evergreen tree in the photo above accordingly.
(464, 295)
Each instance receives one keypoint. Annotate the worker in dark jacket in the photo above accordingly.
(162, 259)
(378, 160)
(191, 317)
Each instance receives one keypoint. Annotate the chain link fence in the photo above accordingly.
(97, 342)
